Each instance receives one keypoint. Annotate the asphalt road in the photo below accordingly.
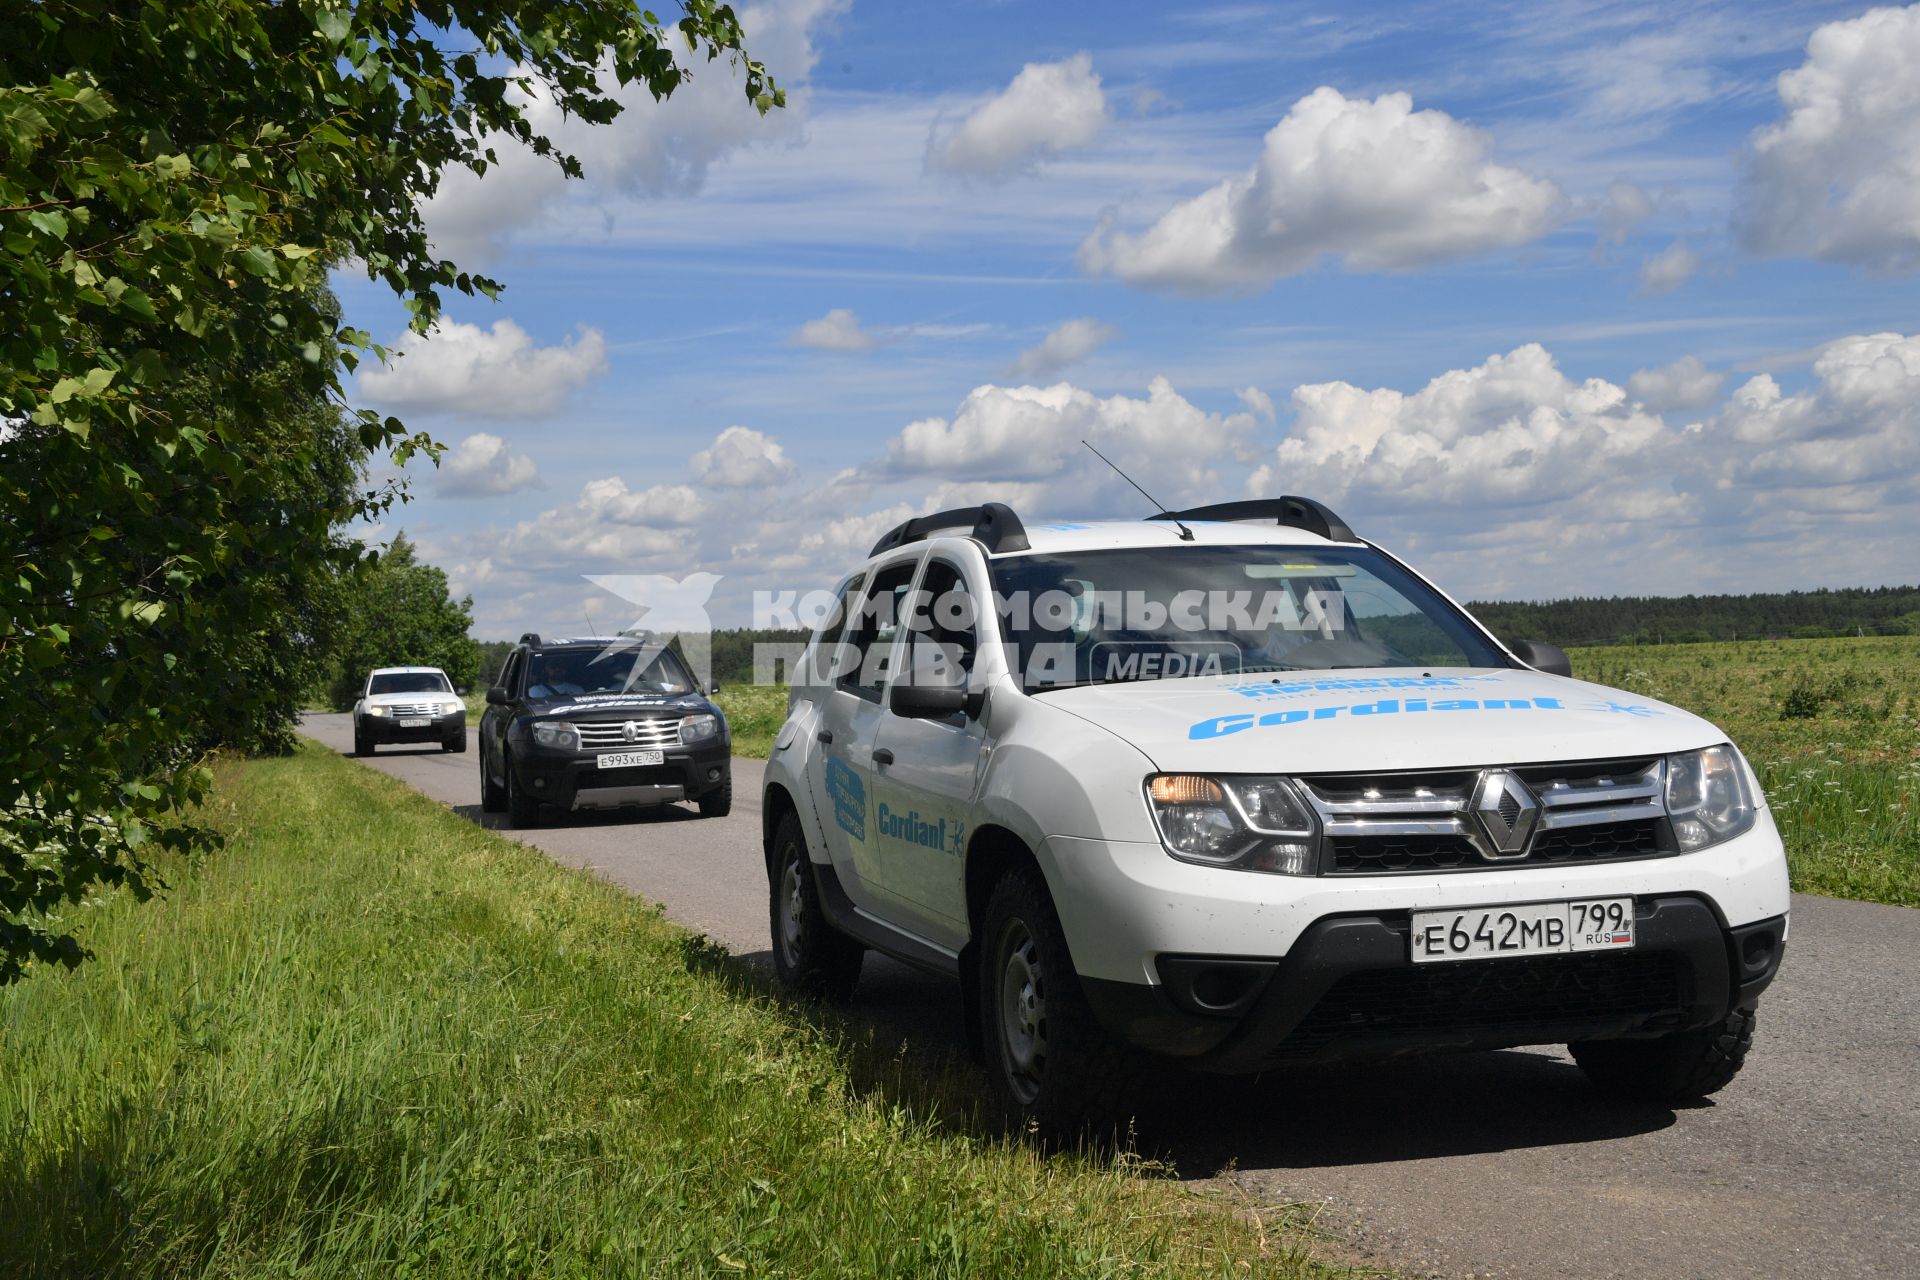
(1492, 1164)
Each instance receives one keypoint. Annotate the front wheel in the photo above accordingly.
(362, 744)
(718, 803)
(1682, 1067)
(810, 956)
(522, 810)
(493, 796)
(457, 744)
(1045, 1049)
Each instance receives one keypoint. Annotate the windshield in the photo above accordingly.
(570, 673)
(1153, 613)
(409, 682)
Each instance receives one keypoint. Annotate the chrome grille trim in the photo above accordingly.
(410, 709)
(651, 733)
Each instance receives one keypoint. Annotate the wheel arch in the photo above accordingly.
(993, 852)
(776, 804)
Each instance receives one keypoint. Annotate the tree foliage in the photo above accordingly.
(1840, 611)
(174, 177)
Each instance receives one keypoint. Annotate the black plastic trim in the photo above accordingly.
(875, 934)
(1289, 510)
(991, 524)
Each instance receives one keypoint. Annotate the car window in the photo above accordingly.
(408, 682)
(869, 646)
(943, 627)
(510, 676)
(819, 665)
(636, 667)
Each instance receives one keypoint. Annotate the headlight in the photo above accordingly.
(1250, 824)
(1707, 797)
(557, 734)
(448, 708)
(699, 728)
(376, 711)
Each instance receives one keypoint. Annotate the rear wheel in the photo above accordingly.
(522, 810)
(1682, 1067)
(810, 956)
(1045, 1049)
(718, 803)
(493, 796)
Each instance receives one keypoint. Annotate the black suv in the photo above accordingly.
(601, 722)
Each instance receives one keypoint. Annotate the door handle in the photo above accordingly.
(824, 737)
(883, 756)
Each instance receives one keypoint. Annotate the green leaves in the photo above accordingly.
(177, 458)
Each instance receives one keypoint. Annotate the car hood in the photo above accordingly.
(1380, 719)
(405, 699)
(618, 706)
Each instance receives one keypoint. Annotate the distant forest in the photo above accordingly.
(1873, 611)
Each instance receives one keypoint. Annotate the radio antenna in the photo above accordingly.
(1186, 534)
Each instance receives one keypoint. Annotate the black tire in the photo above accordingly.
(362, 744)
(1049, 1057)
(457, 744)
(718, 803)
(810, 957)
(522, 810)
(493, 796)
(1682, 1067)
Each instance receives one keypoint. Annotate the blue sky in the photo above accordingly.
(1553, 298)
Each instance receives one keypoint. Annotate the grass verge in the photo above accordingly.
(372, 1038)
(1832, 727)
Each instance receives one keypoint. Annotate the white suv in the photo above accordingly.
(1237, 787)
(409, 704)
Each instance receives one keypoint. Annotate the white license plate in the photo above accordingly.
(1536, 929)
(626, 759)
(414, 722)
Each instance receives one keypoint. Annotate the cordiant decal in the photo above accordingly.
(1221, 726)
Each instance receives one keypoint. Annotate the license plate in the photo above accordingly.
(414, 722)
(627, 759)
(1536, 929)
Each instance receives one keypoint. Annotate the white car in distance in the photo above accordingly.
(409, 704)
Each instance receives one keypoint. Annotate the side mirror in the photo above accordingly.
(497, 696)
(1542, 656)
(713, 687)
(933, 701)
(460, 691)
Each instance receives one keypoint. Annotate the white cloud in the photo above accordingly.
(1069, 344)
(838, 330)
(660, 506)
(1049, 108)
(499, 372)
(741, 458)
(1684, 385)
(1373, 183)
(652, 149)
(1839, 177)
(1258, 402)
(1625, 206)
(482, 465)
(1667, 270)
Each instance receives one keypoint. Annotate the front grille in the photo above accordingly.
(649, 734)
(411, 709)
(1423, 822)
(1491, 1001)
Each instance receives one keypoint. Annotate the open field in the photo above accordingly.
(1833, 729)
(371, 1038)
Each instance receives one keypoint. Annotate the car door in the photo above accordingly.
(841, 772)
(495, 719)
(927, 771)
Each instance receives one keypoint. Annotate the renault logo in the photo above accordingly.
(1507, 813)
(632, 731)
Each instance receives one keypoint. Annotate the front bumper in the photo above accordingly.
(1347, 990)
(571, 780)
(437, 728)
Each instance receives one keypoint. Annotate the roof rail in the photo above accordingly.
(992, 524)
(1293, 512)
(530, 637)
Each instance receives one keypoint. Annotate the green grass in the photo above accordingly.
(1833, 729)
(370, 1038)
(755, 713)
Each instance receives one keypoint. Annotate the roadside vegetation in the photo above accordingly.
(1833, 729)
(370, 1038)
